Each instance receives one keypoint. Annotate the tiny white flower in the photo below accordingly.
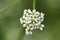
(22, 21)
(32, 20)
(24, 25)
(27, 29)
(29, 11)
(42, 25)
(41, 28)
(25, 11)
(23, 17)
(27, 33)
(42, 15)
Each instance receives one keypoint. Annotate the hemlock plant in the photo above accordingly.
(32, 19)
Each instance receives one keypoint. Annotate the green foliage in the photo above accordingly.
(11, 12)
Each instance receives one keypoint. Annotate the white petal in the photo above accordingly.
(23, 16)
(42, 15)
(34, 10)
(26, 29)
(37, 13)
(27, 33)
(29, 11)
(24, 25)
(42, 25)
(21, 20)
(25, 10)
(30, 33)
(41, 28)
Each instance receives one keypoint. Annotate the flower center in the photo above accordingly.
(39, 15)
(27, 24)
(32, 19)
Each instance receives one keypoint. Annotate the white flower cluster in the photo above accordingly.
(32, 20)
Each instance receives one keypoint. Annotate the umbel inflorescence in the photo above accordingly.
(32, 20)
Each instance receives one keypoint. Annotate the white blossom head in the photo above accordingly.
(32, 20)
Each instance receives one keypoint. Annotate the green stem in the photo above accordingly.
(34, 4)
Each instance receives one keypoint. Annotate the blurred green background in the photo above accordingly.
(11, 11)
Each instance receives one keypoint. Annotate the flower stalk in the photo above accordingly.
(34, 4)
(32, 19)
